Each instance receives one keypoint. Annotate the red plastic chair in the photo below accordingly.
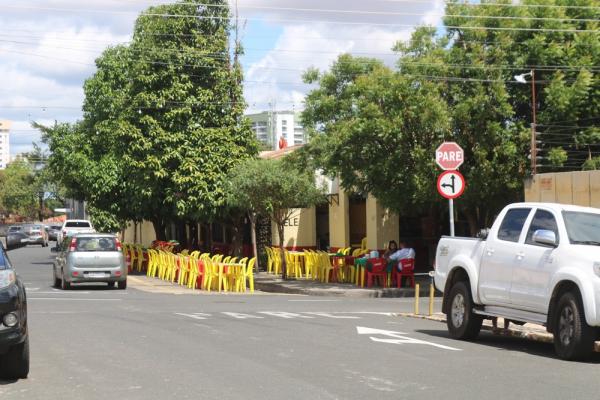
(378, 270)
(408, 270)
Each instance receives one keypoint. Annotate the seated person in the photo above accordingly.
(403, 253)
(392, 248)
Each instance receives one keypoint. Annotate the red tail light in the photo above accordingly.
(119, 246)
(73, 244)
(75, 273)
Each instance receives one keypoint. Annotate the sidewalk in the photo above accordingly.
(274, 284)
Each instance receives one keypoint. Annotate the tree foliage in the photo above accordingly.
(377, 127)
(272, 188)
(163, 121)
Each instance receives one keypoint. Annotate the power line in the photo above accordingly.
(311, 21)
(473, 4)
(309, 10)
(405, 63)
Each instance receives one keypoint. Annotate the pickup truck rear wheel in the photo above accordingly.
(462, 322)
(573, 337)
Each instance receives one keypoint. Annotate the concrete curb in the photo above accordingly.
(318, 289)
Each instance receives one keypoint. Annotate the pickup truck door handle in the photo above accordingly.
(520, 255)
(490, 252)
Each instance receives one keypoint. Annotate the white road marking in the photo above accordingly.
(313, 300)
(69, 299)
(330, 315)
(33, 289)
(61, 292)
(195, 315)
(240, 315)
(398, 338)
(284, 314)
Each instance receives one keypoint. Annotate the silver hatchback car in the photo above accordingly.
(89, 257)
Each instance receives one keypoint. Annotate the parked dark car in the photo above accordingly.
(14, 336)
(16, 237)
(53, 232)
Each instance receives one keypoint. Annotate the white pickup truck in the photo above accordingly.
(539, 263)
(73, 226)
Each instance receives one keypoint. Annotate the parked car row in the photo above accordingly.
(14, 334)
(22, 235)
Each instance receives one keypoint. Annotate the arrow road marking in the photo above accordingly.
(398, 338)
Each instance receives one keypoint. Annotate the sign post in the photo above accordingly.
(451, 184)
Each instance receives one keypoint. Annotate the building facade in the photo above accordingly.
(275, 127)
(4, 143)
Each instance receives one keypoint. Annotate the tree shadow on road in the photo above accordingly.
(4, 382)
(510, 343)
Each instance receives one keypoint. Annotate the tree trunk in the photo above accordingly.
(280, 228)
(159, 229)
(193, 226)
(209, 238)
(237, 238)
(253, 235)
(134, 232)
(182, 236)
(472, 220)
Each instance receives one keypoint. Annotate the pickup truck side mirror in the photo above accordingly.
(483, 234)
(545, 237)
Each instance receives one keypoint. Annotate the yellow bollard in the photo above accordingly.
(431, 290)
(417, 299)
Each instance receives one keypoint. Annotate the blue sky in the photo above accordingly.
(48, 47)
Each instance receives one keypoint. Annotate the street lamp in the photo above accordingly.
(521, 79)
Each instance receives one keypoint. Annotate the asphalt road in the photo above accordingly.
(96, 343)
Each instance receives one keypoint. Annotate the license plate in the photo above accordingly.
(24, 240)
(96, 275)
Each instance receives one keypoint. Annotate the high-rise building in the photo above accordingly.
(275, 127)
(4, 143)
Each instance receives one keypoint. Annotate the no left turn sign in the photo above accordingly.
(451, 184)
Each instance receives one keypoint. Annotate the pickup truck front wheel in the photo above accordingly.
(573, 337)
(462, 322)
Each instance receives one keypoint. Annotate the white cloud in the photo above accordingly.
(372, 30)
(61, 47)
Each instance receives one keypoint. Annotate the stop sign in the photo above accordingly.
(449, 156)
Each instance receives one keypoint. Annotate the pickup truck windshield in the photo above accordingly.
(79, 224)
(582, 228)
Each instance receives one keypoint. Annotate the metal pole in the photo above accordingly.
(417, 299)
(533, 126)
(451, 209)
(431, 290)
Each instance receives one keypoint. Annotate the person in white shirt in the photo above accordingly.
(403, 253)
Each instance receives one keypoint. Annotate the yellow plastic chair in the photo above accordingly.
(247, 276)
(269, 260)
(152, 263)
(325, 265)
(275, 251)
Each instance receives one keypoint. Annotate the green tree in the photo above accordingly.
(18, 192)
(163, 120)
(377, 130)
(271, 188)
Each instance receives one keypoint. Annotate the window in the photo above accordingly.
(77, 224)
(542, 220)
(582, 228)
(96, 244)
(512, 225)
